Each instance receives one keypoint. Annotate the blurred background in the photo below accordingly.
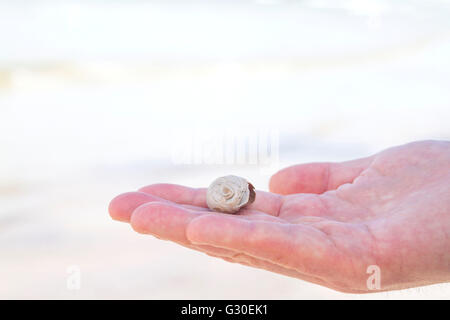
(102, 97)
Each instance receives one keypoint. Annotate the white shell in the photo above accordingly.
(229, 194)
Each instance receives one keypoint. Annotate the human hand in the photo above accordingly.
(325, 223)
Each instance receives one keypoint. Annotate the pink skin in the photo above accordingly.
(322, 222)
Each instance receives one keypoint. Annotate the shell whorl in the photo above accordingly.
(229, 194)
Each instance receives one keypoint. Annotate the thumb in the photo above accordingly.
(317, 177)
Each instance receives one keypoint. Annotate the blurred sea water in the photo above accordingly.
(95, 96)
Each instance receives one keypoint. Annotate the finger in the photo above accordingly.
(246, 260)
(303, 248)
(169, 221)
(261, 264)
(250, 261)
(265, 201)
(213, 251)
(177, 193)
(164, 220)
(316, 177)
(122, 206)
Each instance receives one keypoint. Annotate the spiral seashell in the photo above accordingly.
(229, 194)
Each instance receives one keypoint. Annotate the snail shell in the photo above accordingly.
(229, 194)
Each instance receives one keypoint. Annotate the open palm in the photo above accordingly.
(326, 223)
